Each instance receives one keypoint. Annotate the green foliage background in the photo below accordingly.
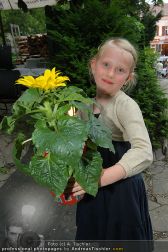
(34, 20)
(76, 32)
(151, 98)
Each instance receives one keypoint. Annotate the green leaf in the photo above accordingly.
(100, 134)
(7, 124)
(73, 94)
(67, 141)
(26, 101)
(77, 97)
(30, 96)
(87, 174)
(62, 110)
(50, 171)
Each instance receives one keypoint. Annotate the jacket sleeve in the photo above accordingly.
(132, 125)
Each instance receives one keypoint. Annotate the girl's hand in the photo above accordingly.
(74, 188)
(77, 190)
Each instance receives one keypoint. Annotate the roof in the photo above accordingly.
(157, 9)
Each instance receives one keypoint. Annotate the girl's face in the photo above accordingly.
(112, 69)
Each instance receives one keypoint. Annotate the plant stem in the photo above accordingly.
(26, 141)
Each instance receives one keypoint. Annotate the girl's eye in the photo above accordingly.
(121, 70)
(105, 64)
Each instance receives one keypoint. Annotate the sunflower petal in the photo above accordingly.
(50, 80)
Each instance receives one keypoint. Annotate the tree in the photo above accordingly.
(142, 11)
(34, 20)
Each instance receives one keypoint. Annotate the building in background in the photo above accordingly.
(160, 41)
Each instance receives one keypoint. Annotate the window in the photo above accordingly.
(164, 30)
(157, 30)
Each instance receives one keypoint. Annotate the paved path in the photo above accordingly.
(156, 179)
(164, 84)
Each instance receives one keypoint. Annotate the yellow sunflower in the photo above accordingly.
(50, 80)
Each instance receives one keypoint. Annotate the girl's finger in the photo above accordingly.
(76, 184)
(81, 192)
(77, 188)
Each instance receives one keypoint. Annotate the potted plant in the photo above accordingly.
(64, 146)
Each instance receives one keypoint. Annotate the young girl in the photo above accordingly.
(120, 209)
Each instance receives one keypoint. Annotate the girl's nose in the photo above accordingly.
(111, 72)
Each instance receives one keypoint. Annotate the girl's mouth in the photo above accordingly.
(107, 81)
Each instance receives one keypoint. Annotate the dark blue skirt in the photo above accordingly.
(119, 211)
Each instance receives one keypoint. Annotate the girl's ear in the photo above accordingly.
(131, 76)
(92, 65)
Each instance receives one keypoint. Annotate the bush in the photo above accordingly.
(151, 98)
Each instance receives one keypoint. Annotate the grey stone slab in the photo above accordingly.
(1, 162)
(4, 176)
(162, 199)
(157, 167)
(152, 205)
(2, 183)
(158, 155)
(159, 218)
(6, 147)
(163, 174)
(160, 186)
(7, 154)
(160, 182)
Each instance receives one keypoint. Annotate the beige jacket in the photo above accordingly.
(123, 115)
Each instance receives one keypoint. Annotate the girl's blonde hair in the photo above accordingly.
(127, 46)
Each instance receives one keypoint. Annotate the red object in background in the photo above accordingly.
(84, 149)
(70, 201)
(45, 154)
